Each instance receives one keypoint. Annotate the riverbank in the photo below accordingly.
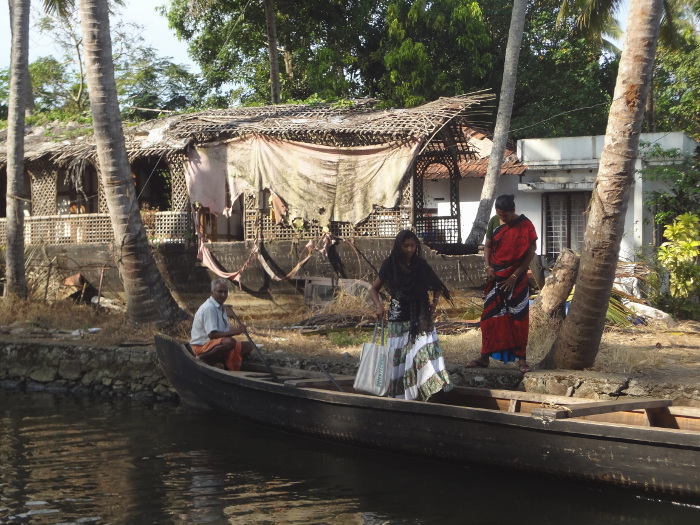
(74, 348)
(76, 366)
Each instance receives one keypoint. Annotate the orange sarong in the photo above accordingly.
(233, 360)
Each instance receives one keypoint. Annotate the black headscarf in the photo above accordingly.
(410, 283)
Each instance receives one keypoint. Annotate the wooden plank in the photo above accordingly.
(516, 394)
(660, 417)
(602, 407)
(320, 383)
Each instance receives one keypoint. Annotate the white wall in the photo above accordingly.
(573, 151)
(572, 163)
(470, 193)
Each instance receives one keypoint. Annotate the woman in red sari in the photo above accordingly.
(509, 248)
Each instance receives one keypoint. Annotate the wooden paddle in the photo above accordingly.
(269, 368)
(318, 363)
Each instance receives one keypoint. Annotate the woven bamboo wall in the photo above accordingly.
(176, 165)
(97, 228)
(43, 191)
(68, 229)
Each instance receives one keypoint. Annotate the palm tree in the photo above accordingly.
(500, 134)
(593, 18)
(16, 284)
(272, 51)
(147, 297)
(21, 102)
(577, 343)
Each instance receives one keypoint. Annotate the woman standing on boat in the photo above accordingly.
(509, 248)
(418, 367)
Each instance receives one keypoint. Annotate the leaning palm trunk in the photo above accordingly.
(148, 299)
(19, 75)
(551, 301)
(500, 133)
(577, 345)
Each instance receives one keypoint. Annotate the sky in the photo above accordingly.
(142, 12)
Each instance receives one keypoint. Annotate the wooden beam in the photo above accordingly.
(601, 407)
(320, 383)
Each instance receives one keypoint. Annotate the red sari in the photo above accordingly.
(506, 317)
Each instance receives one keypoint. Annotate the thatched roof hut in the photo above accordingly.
(374, 161)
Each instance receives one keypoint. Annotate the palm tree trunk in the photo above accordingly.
(577, 345)
(551, 301)
(148, 300)
(16, 283)
(272, 51)
(500, 134)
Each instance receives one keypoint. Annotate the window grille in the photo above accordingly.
(565, 221)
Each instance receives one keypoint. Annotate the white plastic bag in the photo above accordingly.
(374, 372)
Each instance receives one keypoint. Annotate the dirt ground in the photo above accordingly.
(667, 354)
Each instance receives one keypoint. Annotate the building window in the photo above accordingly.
(565, 221)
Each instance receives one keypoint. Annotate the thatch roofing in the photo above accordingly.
(332, 125)
(475, 166)
(359, 124)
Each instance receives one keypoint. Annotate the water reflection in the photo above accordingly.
(78, 460)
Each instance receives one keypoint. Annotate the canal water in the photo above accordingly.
(67, 459)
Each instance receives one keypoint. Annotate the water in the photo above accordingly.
(79, 460)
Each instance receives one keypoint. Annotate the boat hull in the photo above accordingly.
(658, 462)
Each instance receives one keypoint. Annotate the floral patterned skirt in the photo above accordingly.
(418, 369)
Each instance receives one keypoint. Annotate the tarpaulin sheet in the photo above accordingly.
(205, 176)
(316, 182)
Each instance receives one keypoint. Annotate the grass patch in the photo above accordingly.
(343, 338)
(64, 317)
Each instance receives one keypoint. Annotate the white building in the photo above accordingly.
(555, 188)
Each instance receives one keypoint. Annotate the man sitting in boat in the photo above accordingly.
(212, 336)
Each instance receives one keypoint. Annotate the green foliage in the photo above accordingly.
(679, 175)
(679, 255)
(657, 282)
(4, 93)
(677, 87)
(433, 49)
(59, 83)
(57, 89)
(148, 83)
(144, 79)
(659, 297)
(404, 52)
(565, 83)
(328, 48)
(618, 314)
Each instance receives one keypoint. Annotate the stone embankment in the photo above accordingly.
(597, 385)
(63, 367)
(134, 372)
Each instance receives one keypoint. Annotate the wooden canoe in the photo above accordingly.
(643, 445)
